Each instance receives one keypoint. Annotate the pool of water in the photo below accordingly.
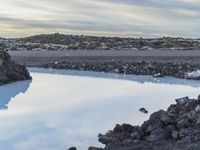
(59, 109)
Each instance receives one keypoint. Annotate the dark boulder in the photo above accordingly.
(10, 71)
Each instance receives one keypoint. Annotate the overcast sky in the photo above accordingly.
(136, 18)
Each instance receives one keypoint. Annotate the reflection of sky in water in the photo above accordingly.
(9, 91)
(60, 111)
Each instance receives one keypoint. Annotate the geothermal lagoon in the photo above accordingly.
(59, 109)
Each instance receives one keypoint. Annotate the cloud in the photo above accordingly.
(103, 17)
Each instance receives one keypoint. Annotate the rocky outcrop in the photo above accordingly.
(10, 71)
(178, 128)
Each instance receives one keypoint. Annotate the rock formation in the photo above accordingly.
(178, 128)
(10, 71)
(155, 69)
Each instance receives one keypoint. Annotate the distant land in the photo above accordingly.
(63, 42)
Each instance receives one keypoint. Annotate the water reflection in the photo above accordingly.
(138, 78)
(10, 91)
(59, 111)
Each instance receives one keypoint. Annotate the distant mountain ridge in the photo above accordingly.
(79, 42)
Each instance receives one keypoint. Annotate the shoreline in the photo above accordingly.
(152, 63)
(174, 129)
(155, 69)
(177, 128)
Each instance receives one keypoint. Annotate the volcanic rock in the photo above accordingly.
(175, 129)
(10, 71)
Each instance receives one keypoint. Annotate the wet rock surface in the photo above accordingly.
(10, 71)
(178, 128)
(156, 69)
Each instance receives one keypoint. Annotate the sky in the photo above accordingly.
(129, 18)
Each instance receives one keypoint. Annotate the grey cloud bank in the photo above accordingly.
(145, 18)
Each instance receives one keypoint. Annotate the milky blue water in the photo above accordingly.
(60, 109)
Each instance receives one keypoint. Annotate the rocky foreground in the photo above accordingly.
(10, 71)
(76, 42)
(178, 128)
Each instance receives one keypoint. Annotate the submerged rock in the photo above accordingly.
(10, 71)
(143, 110)
(175, 129)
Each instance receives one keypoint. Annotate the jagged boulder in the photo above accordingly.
(10, 71)
(178, 128)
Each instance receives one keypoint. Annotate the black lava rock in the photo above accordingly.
(175, 129)
(10, 71)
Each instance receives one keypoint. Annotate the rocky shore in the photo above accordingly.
(156, 69)
(80, 42)
(10, 71)
(178, 128)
